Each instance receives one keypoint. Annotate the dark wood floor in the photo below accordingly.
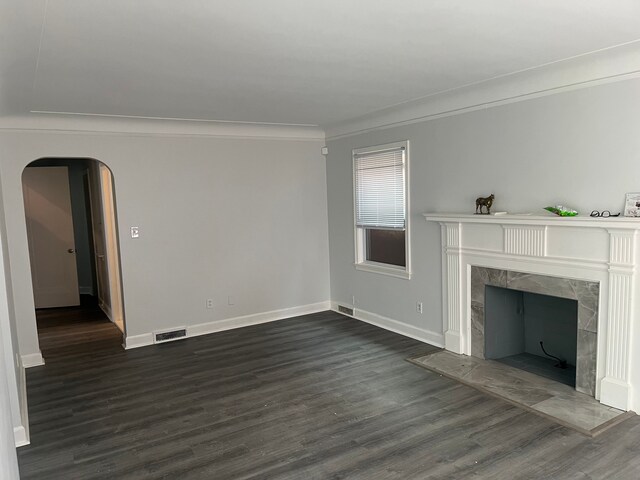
(314, 397)
(74, 330)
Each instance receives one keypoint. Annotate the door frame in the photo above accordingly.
(106, 214)
(117, 261)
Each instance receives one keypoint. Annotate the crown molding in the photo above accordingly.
(603, 66)
(596, 68)
(136, 126)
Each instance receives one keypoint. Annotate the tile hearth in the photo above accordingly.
(540, 395)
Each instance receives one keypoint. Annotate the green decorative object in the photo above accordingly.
(562, 211)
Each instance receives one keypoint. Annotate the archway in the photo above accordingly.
(71, 219)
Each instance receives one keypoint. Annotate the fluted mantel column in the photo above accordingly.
(452, 277)
(616, 385)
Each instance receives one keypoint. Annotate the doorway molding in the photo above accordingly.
(34, 359)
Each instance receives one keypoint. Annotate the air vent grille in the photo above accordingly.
(168, 336)
(345, 310)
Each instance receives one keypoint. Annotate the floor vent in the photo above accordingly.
(168, 336)
(345, 310)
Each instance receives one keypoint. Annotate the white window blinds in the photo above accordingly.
(380, 189)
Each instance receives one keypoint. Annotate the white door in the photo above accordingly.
(111, 244)
(105, 239)
(47, 202)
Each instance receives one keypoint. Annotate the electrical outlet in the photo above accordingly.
(419, 307)
(209, 302)
(135, 232)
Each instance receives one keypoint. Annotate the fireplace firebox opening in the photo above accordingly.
(533, 332)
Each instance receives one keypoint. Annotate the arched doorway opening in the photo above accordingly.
(71, 218)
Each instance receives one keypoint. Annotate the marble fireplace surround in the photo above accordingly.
(593, 251)
(584, 292)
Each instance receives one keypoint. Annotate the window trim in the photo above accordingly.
(360, 262)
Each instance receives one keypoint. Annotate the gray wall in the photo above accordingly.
(580, 148)
(504, 322)
(554, 321)
(218, 217)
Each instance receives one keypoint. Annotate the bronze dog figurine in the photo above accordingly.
(484, 202)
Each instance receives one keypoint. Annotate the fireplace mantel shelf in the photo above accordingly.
(627, 223)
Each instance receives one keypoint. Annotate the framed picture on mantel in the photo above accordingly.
(632, 205)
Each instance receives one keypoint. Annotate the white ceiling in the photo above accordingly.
(281, 61)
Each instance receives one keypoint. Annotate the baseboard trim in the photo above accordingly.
(256, 319)
(32, 360)
(146, 339)
(86, 290)
(20, 436)
(137, 341)
(426, 336)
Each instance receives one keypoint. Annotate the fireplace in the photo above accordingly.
(511, 312)
(589, 261)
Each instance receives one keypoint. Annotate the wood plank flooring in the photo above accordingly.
(321, 396)
(72, 330)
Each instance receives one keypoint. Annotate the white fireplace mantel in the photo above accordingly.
(601, 250)
(629, 223)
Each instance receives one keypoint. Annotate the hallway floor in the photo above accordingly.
(74, 329)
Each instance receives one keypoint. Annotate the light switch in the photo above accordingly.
(135, 232)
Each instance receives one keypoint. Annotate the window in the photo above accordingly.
(380, 177)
